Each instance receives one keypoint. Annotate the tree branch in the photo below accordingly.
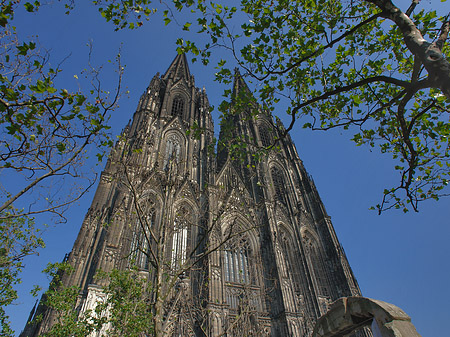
(430, 54)
(315, 53)
(411, 8)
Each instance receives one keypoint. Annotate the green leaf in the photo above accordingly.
(186, 26)
(29, 7)
(61, 147)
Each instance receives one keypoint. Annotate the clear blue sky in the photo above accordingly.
(399, 258)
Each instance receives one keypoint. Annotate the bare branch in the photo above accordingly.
(411, 8)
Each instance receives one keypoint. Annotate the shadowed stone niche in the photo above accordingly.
(348, 314)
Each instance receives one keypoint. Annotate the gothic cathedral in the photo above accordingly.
(231, 245)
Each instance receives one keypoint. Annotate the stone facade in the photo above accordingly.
(267, 259)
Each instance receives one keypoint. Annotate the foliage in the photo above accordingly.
(124, 312)
(129, 14)
(364, 65)
(125, 14)
(46, 131)
(63, 300)
(129, 296)
(18, 238)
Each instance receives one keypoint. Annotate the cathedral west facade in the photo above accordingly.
(232, 246)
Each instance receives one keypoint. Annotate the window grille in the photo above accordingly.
(264, 135)
(319, 271)
(278, 184)
(178, 106)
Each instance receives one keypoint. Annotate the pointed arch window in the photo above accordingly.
(241, 289)
(265, 136)
(319, 271)
(177, 106)
(278, 184)
(293, 269)
(317, 264)
(140, 245)
(172, 151)
(180, 238)
(236, 263)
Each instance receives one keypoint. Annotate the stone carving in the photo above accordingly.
(348, 314)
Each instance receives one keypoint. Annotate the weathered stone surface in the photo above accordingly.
(347, 314)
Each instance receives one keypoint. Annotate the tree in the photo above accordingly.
(19, 237)
(46, 133)
(123, 310)
(364, 65)
(68, 321)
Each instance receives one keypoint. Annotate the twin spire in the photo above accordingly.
(179, 68)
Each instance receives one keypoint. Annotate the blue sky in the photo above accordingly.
(398, 258)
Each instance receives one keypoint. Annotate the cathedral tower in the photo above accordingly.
(233, 243)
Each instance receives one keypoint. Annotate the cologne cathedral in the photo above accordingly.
(233, 242)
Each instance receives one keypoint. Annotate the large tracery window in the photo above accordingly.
(241, 291)
(236, 264)
(172, 151)
(278, 184)
(140, 248)
(180, 238)
(178, 106)
(179, 243)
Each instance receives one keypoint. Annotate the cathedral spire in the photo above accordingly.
(239, 85)
(178, 68)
